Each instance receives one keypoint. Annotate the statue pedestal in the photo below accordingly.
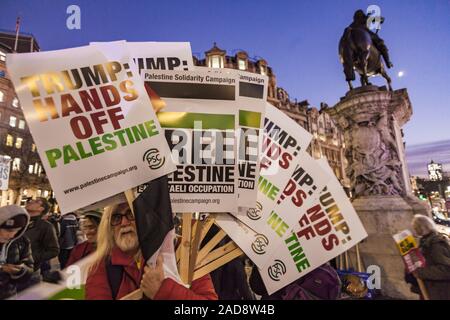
(371, 119)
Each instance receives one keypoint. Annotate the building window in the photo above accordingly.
(241, 64)
(33, 147)
(16, 164)
(21, 124)
(216, 61)
(263, 70)
(19, 142)
(2, 56)
(12, 121)
(2, 96)
(15, 103)
(30, 169)
(9, 140)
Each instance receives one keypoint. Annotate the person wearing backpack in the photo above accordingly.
(119, 268)
(322, 283)
(68, 238)
(435, 248)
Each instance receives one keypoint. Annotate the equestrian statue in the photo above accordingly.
(361, 49)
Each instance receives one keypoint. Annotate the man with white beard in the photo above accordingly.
(119, 268)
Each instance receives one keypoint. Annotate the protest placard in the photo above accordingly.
(5, 166)
(91, 120)
(251, 102)
(200, 119)
(153, 56)
(411, 255)
(328, 227)
(285, 249)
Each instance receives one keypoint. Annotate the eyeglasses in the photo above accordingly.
(116, 218)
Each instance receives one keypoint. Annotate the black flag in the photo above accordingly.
(154, 217)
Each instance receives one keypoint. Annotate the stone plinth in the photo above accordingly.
(371, 119)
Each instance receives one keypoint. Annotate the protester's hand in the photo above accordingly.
(415, 274)
(11, 269)
(153, 278)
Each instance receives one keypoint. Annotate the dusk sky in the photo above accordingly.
(297, 38)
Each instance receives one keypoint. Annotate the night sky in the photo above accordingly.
(297, 38)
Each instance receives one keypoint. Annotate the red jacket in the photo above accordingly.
(79, 252)
(97, 285)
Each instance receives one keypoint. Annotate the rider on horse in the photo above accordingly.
(360, 21)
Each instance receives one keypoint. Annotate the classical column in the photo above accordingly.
(371, 119)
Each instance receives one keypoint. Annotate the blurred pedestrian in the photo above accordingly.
(89, 223)
(435, 248)
(42, 235)
(68, 238)
(16, 262)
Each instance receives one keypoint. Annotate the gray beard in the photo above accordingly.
(127, 242)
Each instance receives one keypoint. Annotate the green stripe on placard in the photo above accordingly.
(186, 120)
(249, 119)
(70, 294)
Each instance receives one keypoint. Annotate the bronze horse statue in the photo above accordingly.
(359, 49)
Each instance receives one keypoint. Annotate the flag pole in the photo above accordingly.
(17, 33)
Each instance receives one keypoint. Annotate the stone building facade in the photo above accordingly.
(27, 177)
(327, 140)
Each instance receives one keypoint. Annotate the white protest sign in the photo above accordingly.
(92, 121)
(285, 249)
(325, 229)
(155, 56)
(199, 121)
(251, 101)
(5, 167)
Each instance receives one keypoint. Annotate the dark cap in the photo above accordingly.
(13, 217)
(19, 221)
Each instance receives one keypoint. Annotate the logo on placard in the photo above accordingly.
(154, 159)
(260, 244)
(141, 188)
(255, 213)
(277, 270)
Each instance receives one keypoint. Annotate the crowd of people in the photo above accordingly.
(36, 244)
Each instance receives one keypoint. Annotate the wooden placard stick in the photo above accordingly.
(195, 244)
(185, 245)
(135, 295)
(217, 253)
(217, 263)
(358, 258)
(129, 194)
(423, 289)
(203, 231)
(210, 245)
(207, 225)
